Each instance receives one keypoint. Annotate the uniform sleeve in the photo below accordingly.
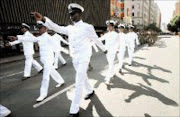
(118, 42)
(137, 40)
(63, 40)
(55, 27)
(27, 38)
(92, 35)
(15, 42)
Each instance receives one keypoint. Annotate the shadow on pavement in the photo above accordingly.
(139, 91)
(160, 44)
(147, 115)
(149, 74)
(100, 109)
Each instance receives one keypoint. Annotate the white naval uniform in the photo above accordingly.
(47, 58)
(111, 43)
(132, 38)
(80, 35)
(28, 48)
(121, 48)
(57, 49)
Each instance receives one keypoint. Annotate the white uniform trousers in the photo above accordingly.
(58, 57)
(121, 56)
(28, 64)
(130, 54)
(110, 58)
(81, 79)
(48, 70)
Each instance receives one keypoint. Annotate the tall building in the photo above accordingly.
(177, 9)
(157, 16)
(139, 12)
(142, 12)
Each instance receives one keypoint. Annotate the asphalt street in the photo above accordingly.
(150, 87)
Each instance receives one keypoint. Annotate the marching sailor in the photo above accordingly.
(57, 50)
(111, 42)
(80, 35)
(132, 39)
(28, 48)
(121, 46)
(47, 58)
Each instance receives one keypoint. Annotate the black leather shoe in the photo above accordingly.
(74, 115)
(120, 71)
(41, 71)
(129, 64)
(25, 78)
(64, 64)
(89, 95)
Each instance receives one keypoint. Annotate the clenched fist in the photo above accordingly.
(38, 16)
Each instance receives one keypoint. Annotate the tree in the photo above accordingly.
(153, 27)
(174, 25)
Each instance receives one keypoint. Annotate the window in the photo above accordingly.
(132, 14)
(133, 7)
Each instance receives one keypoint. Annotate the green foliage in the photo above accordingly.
(174, 25)
(153, 27)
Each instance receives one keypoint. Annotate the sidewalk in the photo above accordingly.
(15, 58)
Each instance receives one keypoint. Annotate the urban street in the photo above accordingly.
(150, 87)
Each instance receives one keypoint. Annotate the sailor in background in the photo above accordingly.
(28, 48)
(45, 43)
(132, 39)
(121, 46)
(111, 42)
(57, 50)
(80, 35)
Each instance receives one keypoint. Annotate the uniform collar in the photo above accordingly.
(77, 23)
(44, 34)
(26, 33)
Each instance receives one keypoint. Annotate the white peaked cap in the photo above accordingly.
(40, 24)
(121, 25)
(72, 6)
(25, 25)
(131, 26)
(110, 21)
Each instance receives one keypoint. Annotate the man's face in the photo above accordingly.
(23, 30)
(130, 29)
(42, 30)
(75, 16)
(121, 29)
(110, 27)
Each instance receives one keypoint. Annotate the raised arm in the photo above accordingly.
(14, 42)
(50, 24)
(63, 40)
(55, 27)
(27, 38)
(92, 35)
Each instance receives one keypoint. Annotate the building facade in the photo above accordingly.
(142, 12)
(177, 9)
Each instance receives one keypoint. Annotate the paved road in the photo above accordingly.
(150, 87)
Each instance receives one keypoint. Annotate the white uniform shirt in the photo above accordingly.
(111, 41)
(45, 44)
(80, 35)
(28, 47)
(122, 40)
(57, 42)
(132, 38)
